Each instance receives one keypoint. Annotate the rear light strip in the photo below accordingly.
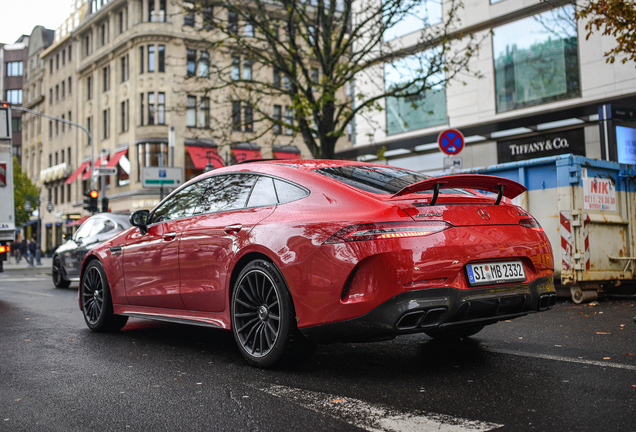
(533, 224)
(387, 230)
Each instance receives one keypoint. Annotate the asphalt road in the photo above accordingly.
(571, 368)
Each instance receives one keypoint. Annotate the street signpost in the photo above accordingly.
(160, 177)
(451, 163)
(105, 171)
(451, 142)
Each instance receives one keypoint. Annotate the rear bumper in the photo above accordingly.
(437, 308)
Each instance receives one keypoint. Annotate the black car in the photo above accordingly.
(67, 261)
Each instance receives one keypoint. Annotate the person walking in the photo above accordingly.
(22, 250)
(31, 253)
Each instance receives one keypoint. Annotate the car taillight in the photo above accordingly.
(387, 230)
(531, 223)
(4, 249)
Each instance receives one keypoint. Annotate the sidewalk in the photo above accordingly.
(24, 265)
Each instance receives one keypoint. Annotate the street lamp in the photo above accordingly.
(209, 155)
(29, 208)
(208, 166)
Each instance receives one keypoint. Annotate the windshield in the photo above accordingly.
(381, 180)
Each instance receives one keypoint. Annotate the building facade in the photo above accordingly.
(33, 126)
(132, 73)
(13, 58)
(541, 85)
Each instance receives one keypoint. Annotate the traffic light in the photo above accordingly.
(90, 202)
(105, 204)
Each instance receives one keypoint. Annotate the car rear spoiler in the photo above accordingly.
(499, 185)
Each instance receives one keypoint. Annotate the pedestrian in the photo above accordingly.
(22, 250)
(15, 248)
(31, 252)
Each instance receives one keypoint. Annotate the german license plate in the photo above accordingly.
(495, 273)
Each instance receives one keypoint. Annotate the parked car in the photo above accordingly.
(287, 253)
(67, 259)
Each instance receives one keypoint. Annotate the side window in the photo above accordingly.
(85, 230)
(181, 204)
(288, 192)
(98, 227)
(106, 226)
(226, 192)
(263, 193)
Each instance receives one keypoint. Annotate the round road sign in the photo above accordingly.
(451, 141)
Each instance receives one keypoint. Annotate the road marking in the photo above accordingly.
(376, 418)
(564, 359)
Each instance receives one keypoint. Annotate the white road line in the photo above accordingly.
(376, 418)
(563, 359)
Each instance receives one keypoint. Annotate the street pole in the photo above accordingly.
(102, 179)
(38, 239)
(171, 144)
(90, 137)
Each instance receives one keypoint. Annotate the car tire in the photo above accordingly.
(263, 318)
(58, 273)
(455, 333)
(96, 302)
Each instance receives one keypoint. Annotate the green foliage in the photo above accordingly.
(22, 187)
(618, 19)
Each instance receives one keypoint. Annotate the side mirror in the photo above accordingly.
(139, 219)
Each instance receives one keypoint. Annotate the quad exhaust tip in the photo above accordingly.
(547, 301)
(420, 318)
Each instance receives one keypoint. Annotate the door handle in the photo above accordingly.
(233, 229)
(169, 236)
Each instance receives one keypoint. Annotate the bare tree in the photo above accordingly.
(306, 68)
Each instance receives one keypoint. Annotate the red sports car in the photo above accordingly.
(288, 253)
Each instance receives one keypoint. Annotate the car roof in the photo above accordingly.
(309, 164)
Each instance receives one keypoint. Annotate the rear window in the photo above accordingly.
(380, 180)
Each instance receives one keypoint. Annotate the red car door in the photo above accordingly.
(151, 259)
(151, 266)
(211, 241)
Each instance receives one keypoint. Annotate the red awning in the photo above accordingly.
(115, 159)
(286, 155)
(87, 174)
(77, 222)
(77, 173)
(243, 155)
(199, 156)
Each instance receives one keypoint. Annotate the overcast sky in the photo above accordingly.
(18, 17)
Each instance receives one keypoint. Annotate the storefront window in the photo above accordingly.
(414, 112)
(151, 155)
(536, 60)
(123, 171)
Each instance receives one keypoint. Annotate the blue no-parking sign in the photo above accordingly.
(451, 141)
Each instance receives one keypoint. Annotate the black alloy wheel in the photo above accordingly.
(58, 274)
(263, 317)
(97, 305)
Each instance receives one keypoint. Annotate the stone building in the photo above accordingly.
(130, 72)
(12, 60)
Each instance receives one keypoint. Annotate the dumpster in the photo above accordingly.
(587, 207)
